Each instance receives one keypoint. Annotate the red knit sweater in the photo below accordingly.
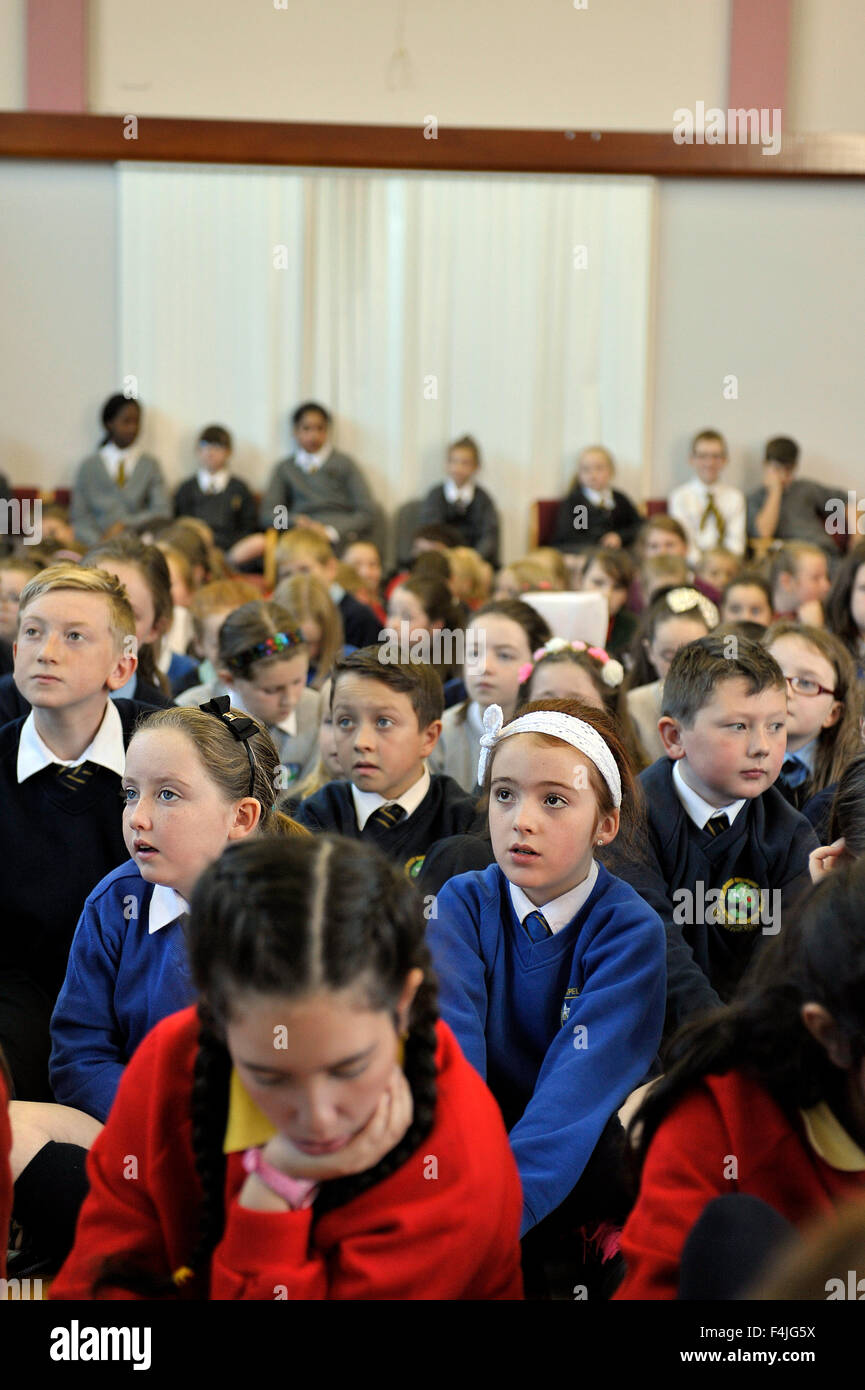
(444, 1226)
(724, 1118)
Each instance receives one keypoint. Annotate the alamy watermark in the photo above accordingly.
(444, 646)
(22, 517)
(741, 126)
(740, 904)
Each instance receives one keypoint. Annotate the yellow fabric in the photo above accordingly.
(828, 1138)
(247, 1126)
(712, 510)
(121, 473)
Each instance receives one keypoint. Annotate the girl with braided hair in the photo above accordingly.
(312, 1131)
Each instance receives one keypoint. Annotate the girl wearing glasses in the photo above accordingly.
(822, 708)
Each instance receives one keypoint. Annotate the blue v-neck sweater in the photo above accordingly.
(563, 1029)
(121, 980)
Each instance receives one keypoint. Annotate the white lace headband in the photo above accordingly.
(576, 732)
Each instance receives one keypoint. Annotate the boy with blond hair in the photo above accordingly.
(60, 771)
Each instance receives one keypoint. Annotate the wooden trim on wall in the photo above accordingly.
(43, 135)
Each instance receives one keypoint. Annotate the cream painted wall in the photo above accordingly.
(763, 281)
(616, 64)
(58, 341)
(12, 69)
(827, 41)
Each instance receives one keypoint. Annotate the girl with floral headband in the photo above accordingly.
(263, 665)
(563, 670)
(551, 970)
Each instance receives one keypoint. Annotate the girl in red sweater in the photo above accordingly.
(312, 1131)
(765, 1097)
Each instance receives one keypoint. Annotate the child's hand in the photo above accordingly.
(382, 1132)
(822, 860)
(774, 475)
(612, 540)
(811, 613)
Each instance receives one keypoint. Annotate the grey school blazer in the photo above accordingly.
(97, 501)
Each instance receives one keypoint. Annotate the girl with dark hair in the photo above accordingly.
(823, 708)
(551, 969)
(118, 486)
(765, 1097)
(845, 606)
(288, 1133)
(500, 639)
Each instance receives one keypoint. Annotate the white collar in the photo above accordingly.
(699, 810)
(367, 802)
(111, 456)
(105, 748)
(288, 724)
(475, 718)
(309, 462)
(213, 482)
(599, 498)
(166, 905)
(558, 912)
(454, 494)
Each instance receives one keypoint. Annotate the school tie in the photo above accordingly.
(386, 816)
(74, 777)
(121, 473)
(712, 511)
(536, 927)
(717, 824)
(794, 771)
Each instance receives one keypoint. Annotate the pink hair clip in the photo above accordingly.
(525, 671)
(598, 653)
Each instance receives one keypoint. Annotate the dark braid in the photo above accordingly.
(285, 917)
(209, 1118)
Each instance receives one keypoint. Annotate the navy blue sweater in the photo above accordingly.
(55, 845)
(445, 810)
(563, 1029)
(121, 980)
(679, 866)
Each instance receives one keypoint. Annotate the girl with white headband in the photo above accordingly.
(551, 971)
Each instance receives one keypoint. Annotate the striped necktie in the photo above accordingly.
(386, 816)
(717, 824)
(536, 927)
(74, 777)
(712, 511)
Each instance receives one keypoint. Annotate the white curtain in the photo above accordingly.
(416, 306)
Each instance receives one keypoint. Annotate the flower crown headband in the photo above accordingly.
(576, 732)
(275, 645)
(683, 600)
(612, 671)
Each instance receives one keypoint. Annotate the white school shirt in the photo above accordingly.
(558, 912)
(111, 456)
(699, 810)
(367, 802)
(688, 504)
(166, 905)
(310, 462)
(105, 748)
(454, 494)
(213, 482)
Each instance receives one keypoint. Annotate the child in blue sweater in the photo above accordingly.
(195, 781)
(551, 970)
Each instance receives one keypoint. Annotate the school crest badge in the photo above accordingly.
(567, 1005)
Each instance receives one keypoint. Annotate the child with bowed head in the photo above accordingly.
(286, 1127)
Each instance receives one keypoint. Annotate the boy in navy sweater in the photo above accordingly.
(387, 718)
(216, 495)
(725, 853)
(461, 503)
(60, 770)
